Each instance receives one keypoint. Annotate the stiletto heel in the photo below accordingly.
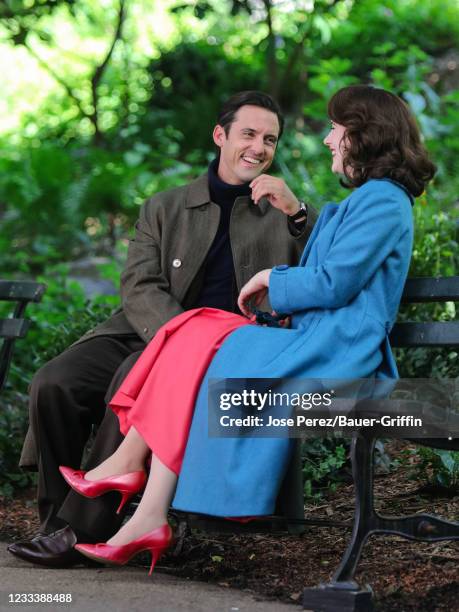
(156, 542)
(127, 484)
(155, 554)
(125, 497)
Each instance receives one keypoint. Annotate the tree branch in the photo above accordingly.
(100, 70)
(272, 61)
(58, 79)
(298, 48)
(295, 56)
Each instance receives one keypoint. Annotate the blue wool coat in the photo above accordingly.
(343, 297)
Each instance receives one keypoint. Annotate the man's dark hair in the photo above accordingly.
(382, 139)
(254, 98)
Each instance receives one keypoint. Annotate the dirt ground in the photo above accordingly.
(404, 575)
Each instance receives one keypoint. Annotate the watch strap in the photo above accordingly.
(301, 215)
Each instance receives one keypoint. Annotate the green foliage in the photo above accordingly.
(21, 16)
(193, 78)
(65, 194)
(61, 318)
(63, 203)
(436, 468)
(323, 460)
(12, 431)
(441, 466)
(42, 218)
(62, 197)
(436, 253)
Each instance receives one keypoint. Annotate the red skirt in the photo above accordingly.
(158, 395)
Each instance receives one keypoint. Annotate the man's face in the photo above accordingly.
(249, 148)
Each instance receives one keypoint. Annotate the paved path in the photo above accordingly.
(126, 589)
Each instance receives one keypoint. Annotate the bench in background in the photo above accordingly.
(19, 294)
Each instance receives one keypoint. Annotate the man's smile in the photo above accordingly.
(251, 160)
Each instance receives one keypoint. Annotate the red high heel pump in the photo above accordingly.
(156, 541)
(127, 484)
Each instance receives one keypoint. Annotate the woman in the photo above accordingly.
(343, 299)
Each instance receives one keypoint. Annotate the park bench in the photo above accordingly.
(342, 593)
(19, 294)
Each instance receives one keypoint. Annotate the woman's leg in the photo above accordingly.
(164, 423)
(154, 505)
(129, 457)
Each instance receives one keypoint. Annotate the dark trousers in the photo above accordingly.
(67, 397)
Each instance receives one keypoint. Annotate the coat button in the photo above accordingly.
(177, 263)
(145, 330)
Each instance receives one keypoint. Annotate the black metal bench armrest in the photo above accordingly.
(21, 293)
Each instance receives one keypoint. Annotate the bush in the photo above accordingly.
(440, 466)
(436, 469)
(436, 253)
(323, 460)
(13, 425)
(61, 318)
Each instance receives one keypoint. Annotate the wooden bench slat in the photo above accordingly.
(16, 291)
(435, 334)
(13, 328)
(427, 289)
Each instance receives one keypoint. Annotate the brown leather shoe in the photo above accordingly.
(52, 550)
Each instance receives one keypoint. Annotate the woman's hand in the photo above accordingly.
(255, 289)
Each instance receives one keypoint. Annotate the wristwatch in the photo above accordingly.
(301, 215)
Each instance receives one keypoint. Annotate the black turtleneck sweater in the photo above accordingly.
(218, 282)
(218, 288)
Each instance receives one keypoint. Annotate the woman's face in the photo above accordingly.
(335, 142)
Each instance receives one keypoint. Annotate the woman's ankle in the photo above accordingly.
(135, 528)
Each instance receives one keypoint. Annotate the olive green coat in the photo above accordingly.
(164, 264)
(173, 236)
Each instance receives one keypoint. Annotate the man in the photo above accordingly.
(195, 245)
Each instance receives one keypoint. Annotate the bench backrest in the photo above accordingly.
(432, 333)
(407, 334)
(19, 293)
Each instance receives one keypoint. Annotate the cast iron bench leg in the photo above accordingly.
(342, 592)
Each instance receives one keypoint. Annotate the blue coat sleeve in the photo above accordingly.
(370, 229)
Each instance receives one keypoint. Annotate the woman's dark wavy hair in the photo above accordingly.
(382, 138)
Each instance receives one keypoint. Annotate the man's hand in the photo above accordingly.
(277, 192)
(255, 289)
